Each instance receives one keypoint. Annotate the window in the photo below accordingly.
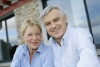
(3, 42)
(8, 39)
(94, 14)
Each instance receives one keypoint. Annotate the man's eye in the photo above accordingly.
(48, 23)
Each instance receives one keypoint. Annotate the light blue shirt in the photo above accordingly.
(43, 57)
(77, 49)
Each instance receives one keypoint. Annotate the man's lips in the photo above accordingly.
(56, 31)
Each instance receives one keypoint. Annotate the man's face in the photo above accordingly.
(55, 24)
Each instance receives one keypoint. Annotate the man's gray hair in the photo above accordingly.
(49, 8)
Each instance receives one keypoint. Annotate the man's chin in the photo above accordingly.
(57, 38)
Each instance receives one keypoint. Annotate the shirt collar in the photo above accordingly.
(66, 33)
(39, 50)
(25, 49)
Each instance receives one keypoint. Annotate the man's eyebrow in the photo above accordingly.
(56, 18)
(53, 19)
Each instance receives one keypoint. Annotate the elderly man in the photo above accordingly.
(72, 47)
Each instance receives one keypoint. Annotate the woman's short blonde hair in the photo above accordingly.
(29, 22)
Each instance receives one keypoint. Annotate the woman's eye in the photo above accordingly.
(38, 34)
(29, 34)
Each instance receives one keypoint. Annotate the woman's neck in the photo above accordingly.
(31, 53)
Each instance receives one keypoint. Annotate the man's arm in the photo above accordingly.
(86, 50)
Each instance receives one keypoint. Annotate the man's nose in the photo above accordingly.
(53, 25)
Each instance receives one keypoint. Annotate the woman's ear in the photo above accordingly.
(23, 39)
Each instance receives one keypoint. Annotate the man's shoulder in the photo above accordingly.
(82, 31)
(78, 33)
(79, 30)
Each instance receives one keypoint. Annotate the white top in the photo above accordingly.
(77, 49)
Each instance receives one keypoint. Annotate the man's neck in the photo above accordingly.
(58, 41)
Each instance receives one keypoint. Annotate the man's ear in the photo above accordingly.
(65, 19)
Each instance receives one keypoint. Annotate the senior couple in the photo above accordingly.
(67, 47)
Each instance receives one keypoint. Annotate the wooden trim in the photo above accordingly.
(1, 7)
(13, 6)
(6, 2)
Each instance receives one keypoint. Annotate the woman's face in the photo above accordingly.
(32, 37)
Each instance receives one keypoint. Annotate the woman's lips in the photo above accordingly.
(34, 43)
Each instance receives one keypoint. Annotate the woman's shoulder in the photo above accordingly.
(47, 53)
(20, 49)
(46, 47)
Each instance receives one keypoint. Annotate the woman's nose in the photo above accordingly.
(34, 37)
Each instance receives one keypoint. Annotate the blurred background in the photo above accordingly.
(80, 13)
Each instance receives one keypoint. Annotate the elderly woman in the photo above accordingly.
(33, 53)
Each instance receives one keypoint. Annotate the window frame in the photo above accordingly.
(5, 18)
